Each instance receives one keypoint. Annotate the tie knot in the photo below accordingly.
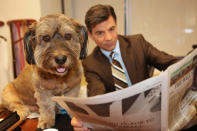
(112, 54)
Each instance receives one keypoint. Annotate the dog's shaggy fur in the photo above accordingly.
(55, 43)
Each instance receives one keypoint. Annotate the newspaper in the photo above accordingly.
(164, 102)
(134, 108)
(180, 96)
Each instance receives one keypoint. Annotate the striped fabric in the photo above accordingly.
(18, 29)
(18, 47)
(118, 74)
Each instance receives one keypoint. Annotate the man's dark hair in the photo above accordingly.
(97, 14)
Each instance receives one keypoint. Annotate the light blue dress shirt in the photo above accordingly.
(117, 57)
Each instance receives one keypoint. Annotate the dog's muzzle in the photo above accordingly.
(60, 61)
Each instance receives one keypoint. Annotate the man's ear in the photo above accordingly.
(30, 43)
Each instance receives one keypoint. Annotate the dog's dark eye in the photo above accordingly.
(46, 38)
(68, 36)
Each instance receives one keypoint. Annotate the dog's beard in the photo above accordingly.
(47, 62)
(61, 69)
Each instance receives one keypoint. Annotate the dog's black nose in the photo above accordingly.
(60, 59)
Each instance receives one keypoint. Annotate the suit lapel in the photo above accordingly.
(128, 56)
(106, 67)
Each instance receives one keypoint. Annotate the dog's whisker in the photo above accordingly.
(75, 51)
(38, 58)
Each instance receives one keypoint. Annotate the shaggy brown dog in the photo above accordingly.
(53, 48)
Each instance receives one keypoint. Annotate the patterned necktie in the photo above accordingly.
(118, 74)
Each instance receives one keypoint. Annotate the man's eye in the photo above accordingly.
(99, 33)
(112, 29)
(68, 36)
(46, 38)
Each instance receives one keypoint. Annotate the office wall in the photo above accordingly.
(18, 9)
(170, 25)
(50, 7)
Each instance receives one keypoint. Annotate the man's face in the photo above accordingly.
(105, 34)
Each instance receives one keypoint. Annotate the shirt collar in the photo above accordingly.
(116, 50)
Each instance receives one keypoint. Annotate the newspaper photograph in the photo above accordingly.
(134, 108)
(181, 94)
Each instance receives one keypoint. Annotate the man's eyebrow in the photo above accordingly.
(112, 27)
(98, 32)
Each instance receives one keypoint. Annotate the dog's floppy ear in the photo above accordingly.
(83, 34)
(84, 39)
(30, 43)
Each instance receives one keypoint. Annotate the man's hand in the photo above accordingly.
(77, 125)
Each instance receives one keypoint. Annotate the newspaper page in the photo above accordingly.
(134, 108)
(181, 94)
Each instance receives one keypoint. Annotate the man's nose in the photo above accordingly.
(108, 36)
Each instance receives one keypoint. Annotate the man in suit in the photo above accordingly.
(134, 54)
